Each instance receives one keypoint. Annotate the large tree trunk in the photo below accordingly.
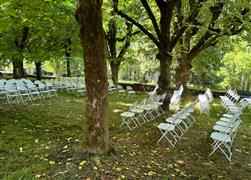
(115, 72)
(15, 69)
(182, 75)
(21, 45)
(89, 16)
(38, 70)
(20, 67)
(165, 77)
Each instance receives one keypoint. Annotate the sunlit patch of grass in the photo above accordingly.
(117, 110)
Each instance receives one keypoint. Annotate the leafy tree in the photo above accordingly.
(89, 17)
(117, 39)
(238, 61)
(170, 21)
(36, 31)
(214, 21)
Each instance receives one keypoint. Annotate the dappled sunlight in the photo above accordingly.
(50, 136)
(123, 104)
(117, 110)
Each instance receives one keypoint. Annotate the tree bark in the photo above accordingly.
(89, 16)
(38, 70)
(15, 69)
(21, 45)
(67, 56)
(182, 75)
(115, 72)
(165, 77)
(20, 67)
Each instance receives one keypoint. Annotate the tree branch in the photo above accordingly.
(141, 27)
(195, 7)
(151, 16)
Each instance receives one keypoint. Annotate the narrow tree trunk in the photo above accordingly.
(115, 72)
(68, 65)
(89, 16)
(67, 56)
(38, 70)
(15, 69)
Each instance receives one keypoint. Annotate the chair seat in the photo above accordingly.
(222, 128)
(127, 114)
(220, 137)
(136, 110)
(166, 126)
(146, 108)
(223, 123)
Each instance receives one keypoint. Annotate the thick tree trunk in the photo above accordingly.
(165, 77)
(182, 75)
(89, 16)
(15, 70)
(38, 70)
(115, 72)
(20, 67)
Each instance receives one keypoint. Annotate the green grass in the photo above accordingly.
(45, 140)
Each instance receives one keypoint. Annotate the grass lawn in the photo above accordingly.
(45, 140)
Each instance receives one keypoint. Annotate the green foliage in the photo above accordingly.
(50, 23)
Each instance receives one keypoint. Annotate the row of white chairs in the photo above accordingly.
(205, 100)
(72, 85)
(145, 111)
(129, 92)
(175, 126)
(224, 132)
(225, 129)
(22, 90)
(229, 98)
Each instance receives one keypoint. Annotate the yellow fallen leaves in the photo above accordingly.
(118, 169)
(52, 162)
(151, 173)
(180, 162)
(82, 163)
(21, 150)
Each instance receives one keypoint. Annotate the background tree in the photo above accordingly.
(118, 35)
(89, 16)
(173, 21)
(214, 21)
(33, 30)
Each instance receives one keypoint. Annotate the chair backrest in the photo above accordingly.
(129, 88)
(151, 99)
(40, 84)
(235, 126)
(162, 97)
(119, 87)
(134, 105)
(181, 89)
(142, 103)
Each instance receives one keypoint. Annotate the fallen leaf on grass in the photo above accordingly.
(180, 162)
(118, 169)
(52, 162)
(151, 173)
(82, 163)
